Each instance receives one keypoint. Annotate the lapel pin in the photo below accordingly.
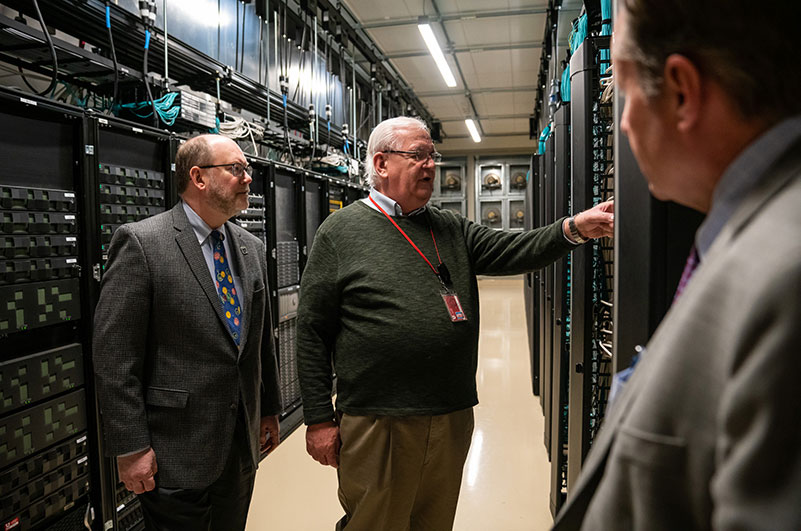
(244, 249)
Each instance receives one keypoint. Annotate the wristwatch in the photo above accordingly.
(574, 232)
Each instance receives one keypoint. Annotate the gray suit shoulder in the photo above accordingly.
(157, 222)
(243, 234)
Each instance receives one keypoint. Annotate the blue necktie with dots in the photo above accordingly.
(225, 287)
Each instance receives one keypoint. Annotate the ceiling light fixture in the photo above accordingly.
(471, 126)
(436, 52)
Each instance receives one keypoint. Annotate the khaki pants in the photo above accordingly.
(402, 473)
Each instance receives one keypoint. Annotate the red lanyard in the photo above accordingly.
(410, 240)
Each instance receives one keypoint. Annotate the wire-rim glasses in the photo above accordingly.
(237, 169)
(419, 155)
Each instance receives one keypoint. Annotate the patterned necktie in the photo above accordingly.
(225, 287)
(689, 268)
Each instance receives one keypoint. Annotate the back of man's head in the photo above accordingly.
(388, 135)
(197, 151)
(745, 46)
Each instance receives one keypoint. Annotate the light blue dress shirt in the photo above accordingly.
(202, 232)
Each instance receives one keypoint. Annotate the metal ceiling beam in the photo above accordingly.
(491, 135)
(455, 16)
(457, 92)
(464, 49)
(373, 53)
(449, 44)
(486, 117)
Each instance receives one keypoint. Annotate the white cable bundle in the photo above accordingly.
(237, 128)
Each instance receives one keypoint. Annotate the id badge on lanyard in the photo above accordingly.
(449, 295)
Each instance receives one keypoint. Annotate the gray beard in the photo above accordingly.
(219, 201)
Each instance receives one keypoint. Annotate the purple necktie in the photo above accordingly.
(689, 269)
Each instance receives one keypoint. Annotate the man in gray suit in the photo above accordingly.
(706, 433)
(183, 353)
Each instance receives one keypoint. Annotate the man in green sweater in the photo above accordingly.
(389, 298)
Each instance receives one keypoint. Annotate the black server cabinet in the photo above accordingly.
(286, 204)
(353, 193)
(336, 195)
(315, 209)
(591, 267)
(254, 218)
(531, 288)
(561, 321)
(548, 324)
(652, 240)
(46, 430)
(541, 306)
(131, 173)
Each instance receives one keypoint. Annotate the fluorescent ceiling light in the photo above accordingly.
(204, 12)
(471, 126)
(436, 53)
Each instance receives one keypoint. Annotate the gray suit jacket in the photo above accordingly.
(707, 433)
(168, 373)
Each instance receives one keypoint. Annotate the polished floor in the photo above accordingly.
(505, 484)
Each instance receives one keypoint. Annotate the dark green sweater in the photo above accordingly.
(370, 305)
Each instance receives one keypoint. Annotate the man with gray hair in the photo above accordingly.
(389, 298)
(706, 433)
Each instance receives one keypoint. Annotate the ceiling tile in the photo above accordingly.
(524, 101)
(511, 126)
(422, 73)
(517, 4)
(395, 39)
(479, 32)
(454, 128)
(481, 68)
(367, 11)
(446, 106)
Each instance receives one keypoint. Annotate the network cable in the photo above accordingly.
(113, 54)
(238, 128)
(147, 10)
(51, 88)
(164, 108)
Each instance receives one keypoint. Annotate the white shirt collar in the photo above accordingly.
(389, 205)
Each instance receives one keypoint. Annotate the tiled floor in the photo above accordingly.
(505, 485)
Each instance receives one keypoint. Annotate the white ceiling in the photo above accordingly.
(496, 44)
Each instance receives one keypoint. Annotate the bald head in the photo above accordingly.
(197, 151)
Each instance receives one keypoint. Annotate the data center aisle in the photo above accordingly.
(505, 485)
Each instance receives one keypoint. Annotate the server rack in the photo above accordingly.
(531, 287)
(562, 316)
(652, 239)
(131, 174)
(591, 268)
(353, 192)
(45, 429)
(315, 209)
(548, 306)
(254, 219)
(336, 196)
(540, 287)
(284, 257)
(70, 179)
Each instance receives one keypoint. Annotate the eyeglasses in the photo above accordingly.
(418, 155)
(237, 169)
